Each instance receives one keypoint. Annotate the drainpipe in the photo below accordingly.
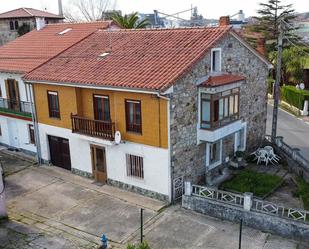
(171, 175)
(35, 124)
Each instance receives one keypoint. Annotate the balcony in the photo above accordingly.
(18, 108)
(94, 128)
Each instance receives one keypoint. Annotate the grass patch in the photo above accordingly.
(259, 184)
(303, 191)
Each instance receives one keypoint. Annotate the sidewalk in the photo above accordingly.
(118, 193)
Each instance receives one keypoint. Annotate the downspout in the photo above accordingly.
(35, 124)
(169, 146)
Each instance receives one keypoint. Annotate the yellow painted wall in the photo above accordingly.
(67, 104)
(80, 101)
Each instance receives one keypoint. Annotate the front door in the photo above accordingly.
(59, 152)
(99, 163)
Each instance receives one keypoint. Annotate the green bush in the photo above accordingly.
(143, 245)
(293, 96)
(303, 191)
(239, 153)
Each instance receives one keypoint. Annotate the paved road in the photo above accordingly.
(294, 131)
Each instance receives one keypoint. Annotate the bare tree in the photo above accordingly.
(87, 10)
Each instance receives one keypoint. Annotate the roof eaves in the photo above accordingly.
(91, 85)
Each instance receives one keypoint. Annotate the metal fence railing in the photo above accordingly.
(15, 106)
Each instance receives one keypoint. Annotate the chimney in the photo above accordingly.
(60, 10)
(224, 21)
(40, 23)
(261, 45)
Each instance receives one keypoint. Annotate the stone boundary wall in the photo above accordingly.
(264, 222)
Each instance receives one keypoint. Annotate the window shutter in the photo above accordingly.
(17, 90)
(7, 89)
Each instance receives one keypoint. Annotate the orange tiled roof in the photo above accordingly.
(28, 12)
(220, 80)
(36, 47)
(143, 59)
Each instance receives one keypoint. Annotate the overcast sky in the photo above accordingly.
(209, 9)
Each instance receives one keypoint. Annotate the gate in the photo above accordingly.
(178, 188)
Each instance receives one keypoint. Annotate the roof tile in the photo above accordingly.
(146, 59)
(36, 47)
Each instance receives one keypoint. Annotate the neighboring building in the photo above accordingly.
(21, 56)
(19, 21)
(183, 101)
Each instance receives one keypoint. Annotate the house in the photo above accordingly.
(146, 109)
(21, 56)
(16, 22)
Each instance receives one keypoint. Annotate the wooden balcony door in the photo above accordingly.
(98, 155)
(101, 108)
(12, 93)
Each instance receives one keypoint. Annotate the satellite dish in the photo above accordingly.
(117, 137)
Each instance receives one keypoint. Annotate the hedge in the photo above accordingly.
(294, 96)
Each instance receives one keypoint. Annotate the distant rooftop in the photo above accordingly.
(28, 12)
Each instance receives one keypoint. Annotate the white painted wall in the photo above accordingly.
(24, 96)
(156, 170)
(22, 135)
(15, 131)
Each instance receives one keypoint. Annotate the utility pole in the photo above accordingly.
(277, 84)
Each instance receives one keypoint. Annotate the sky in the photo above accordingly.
(209, 9)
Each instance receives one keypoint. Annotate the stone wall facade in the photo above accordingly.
(7, 35)
(187, 156)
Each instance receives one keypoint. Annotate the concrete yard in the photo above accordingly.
(52, 208)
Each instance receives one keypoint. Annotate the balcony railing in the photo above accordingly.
(95, 128)
(15, 107)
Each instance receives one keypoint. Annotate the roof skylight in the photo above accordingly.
(65, 31)
(104, 54)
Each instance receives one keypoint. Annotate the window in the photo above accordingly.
(53, 104)
(31, 134)
(135, 166)
(219, 109)
(133, 116)
(216, 60)
(214, 153)
(101, 108)
(12, 25)
(205, 110)
(16, 26)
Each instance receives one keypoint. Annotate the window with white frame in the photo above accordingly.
(216, 60)
(215, 152)
(135, 166)
(240, 140)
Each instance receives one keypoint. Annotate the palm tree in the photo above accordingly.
(129, 21)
